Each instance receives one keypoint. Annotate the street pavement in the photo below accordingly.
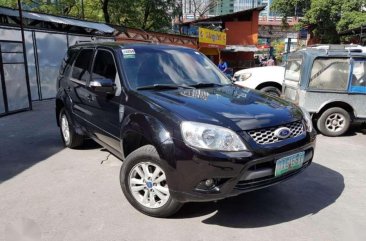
(48, 192)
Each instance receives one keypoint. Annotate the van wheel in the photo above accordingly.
(144, 183)
(271, 90)
(69, 136)
(334, 122)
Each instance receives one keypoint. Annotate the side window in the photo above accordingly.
(69, 57)
(358, 83)
(104, 66)
(80, 70)
(293, 69)
(329, 74)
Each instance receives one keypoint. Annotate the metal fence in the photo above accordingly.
(44, 52)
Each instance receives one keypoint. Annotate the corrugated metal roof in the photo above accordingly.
(55, 19)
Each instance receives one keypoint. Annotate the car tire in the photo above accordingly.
(334, 122)
(146, 191)
(271, 90)
(70, 138)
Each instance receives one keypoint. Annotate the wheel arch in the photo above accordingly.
(59, 105)
(269, 83)
(139, 130)
(335, 103)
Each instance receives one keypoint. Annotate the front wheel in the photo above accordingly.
(271, 90)
(334, 122)
(144, 183)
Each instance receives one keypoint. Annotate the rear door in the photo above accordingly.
(78, 80)
(105, 107)
(357, 87)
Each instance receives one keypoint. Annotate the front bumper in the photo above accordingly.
(235, 173)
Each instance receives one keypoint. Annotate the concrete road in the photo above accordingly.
(51, 193)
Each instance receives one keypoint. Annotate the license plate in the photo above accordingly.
(289, 163)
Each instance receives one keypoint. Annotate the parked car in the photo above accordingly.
(184, 133)
(267, 79)
(330, 84)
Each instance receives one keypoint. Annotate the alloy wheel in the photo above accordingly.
(148, 185)
(65, 128)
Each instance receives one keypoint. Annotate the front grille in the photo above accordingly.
(267, 135)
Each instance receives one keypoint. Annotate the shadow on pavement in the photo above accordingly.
(306, 194)
(28, 138)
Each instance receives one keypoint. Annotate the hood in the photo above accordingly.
(265, 69)
(230, 106)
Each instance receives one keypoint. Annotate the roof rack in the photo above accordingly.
(350, 48)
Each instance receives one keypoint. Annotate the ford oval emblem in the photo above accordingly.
(282, 132)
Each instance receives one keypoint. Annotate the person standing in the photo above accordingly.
(222, 65)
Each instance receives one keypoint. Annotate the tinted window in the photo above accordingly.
(69, 56)
(104, 67)
(293, 69)
(81, 66)
(173, 66)
(329, 74)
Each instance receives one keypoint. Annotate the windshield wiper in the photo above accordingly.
(162, 87)
(205, 85)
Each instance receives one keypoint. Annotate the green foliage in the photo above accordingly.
(325, 18)
(279, 46)
(289, 8)
(153, 15)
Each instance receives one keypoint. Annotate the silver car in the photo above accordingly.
(330, 84)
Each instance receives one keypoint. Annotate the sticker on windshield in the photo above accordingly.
(128, 51)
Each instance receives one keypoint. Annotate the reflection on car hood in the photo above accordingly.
(231, 106)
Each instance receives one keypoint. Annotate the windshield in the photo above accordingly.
(146, 66)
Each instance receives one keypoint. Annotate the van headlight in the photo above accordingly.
(308, 120)
(210, 137)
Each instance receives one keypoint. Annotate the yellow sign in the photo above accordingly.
(211, 38)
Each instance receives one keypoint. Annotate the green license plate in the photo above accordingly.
(289, 163)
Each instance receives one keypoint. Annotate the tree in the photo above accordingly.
(327, 18)
(202, 7)
(324, 18)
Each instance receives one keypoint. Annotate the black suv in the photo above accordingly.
(183, 131)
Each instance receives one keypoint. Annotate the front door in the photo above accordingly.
(105, 107)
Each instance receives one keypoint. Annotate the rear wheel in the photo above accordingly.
(271, 90)
(334, 122)
(144, 183)
(69, 136)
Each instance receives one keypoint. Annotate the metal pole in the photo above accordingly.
(82, 10)
(24, 54)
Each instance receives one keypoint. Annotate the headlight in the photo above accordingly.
(244, 76)
(210, 137)
(308, 120)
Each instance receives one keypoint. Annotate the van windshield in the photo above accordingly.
(147, 66)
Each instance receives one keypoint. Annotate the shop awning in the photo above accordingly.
(101, 27)
(240, 48)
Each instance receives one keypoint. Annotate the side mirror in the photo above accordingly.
(106, 86)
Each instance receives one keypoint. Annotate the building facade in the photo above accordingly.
(231, 6)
